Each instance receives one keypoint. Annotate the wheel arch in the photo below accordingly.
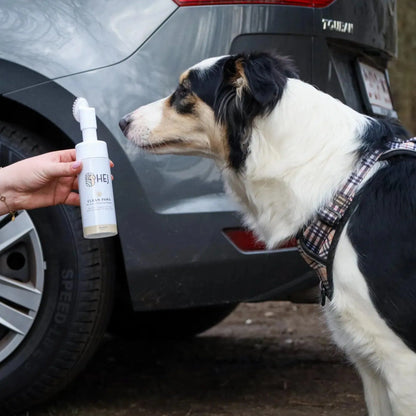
(14, 112)
(43, 105)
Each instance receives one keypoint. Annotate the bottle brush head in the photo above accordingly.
(79, 103)
(85, 115)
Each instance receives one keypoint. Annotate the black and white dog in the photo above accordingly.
(284, 149)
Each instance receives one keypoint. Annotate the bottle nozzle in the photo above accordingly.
(85, 115)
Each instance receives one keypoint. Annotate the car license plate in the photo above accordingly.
(376, 91)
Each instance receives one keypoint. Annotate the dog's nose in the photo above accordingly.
(124, 123)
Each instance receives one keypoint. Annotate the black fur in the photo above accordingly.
(383, 231)
(266, 76)
(380, 132)
(205, 83)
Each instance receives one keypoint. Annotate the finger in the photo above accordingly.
(111, 164)
(75, 186)
(77, 165)
(67, 155)
(73, 199)
(56, 170)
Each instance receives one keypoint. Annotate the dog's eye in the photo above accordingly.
(182, 91)
(180, 94)
(181, 100)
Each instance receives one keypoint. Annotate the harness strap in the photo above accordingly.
(317, 240)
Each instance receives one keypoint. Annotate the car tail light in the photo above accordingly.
(304, 3)
(246, 241)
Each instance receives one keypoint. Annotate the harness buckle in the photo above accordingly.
(326, 291)
(332, 214)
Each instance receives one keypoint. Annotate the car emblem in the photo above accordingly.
(337, 26)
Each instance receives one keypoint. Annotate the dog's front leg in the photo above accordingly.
(375, 390)
(358, 329)
(401, 383)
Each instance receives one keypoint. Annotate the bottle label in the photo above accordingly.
(96, 193)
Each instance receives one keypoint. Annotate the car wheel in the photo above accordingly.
(55, 291)
(179, 323)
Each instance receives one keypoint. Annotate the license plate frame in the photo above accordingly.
(375, 90)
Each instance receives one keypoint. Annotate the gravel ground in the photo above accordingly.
(273, 358)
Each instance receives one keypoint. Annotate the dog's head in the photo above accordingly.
(211, 112)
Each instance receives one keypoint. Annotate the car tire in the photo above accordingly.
(55, 291)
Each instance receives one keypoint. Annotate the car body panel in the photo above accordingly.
(172, 210)
(375, 23)
(59, 38)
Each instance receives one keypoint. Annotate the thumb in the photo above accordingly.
(64, 169)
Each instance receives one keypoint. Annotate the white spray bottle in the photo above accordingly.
(95, 184)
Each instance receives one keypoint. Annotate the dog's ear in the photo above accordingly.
(262, 76)
(233, 109)
(251, 86)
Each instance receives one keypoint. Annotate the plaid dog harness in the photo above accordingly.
(318, 239)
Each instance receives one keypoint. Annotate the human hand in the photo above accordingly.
(40, 181)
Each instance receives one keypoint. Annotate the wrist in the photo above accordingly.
(7, 194)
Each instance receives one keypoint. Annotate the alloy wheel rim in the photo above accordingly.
(22, 274)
